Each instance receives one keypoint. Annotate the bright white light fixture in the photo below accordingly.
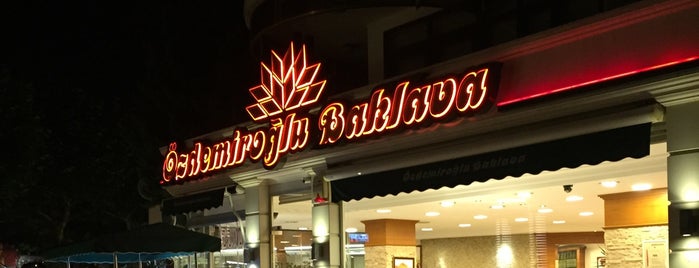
(480, 217)
(573, 198)
(521, 219)
(640, 187)
(497, 206)
(383, 211)
(609, 184)
(586, 213)
(544, 209)
(426, 229)
(524, 195)
(559, 222)
(689, 195)
(447, 204)
(432, 214)
(303, 228)
(504, 256)
(464, 225)
(351, 230)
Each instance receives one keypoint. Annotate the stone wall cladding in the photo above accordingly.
(625, 245)
(476, 252)
(382, 256)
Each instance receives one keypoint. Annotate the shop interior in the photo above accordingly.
(561, 201)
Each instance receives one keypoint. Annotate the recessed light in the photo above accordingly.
(524, 195)
(586, 213)
(480, 217)
(383, 211)
(359, 173)
(464, 225)
(497, 206)
(303, 228)
(521, 219)
(641, 187)
(447, 204)
(426, 229)
(544, 209)
(573, 198)
(351, 230)
(432, 214)
(559, 222)
(609, 184)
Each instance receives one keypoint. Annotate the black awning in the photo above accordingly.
(591, 149)
(190, 203)
(151, 242)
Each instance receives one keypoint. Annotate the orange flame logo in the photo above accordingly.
(288, 83)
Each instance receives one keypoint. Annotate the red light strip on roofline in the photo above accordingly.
(595, 81)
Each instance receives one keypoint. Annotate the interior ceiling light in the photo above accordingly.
(524, 195)
(521, 219)
(497, 206)
(573, 198)
(303, 228)
(432, 214)
(383, 211)
(427, 229)
(544, 209)
(586, 213)
(480, 217)
(447, 204)
(351, 230)
(559, 222)
(640, 187)
(609, 184)
(464, 225)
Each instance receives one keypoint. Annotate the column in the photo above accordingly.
(258, 222)
(388, 239)
(683, 183)
(327, 221)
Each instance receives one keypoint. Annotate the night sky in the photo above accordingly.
(89, 93)
(188, 60)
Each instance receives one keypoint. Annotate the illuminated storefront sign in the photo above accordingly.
(289, 89)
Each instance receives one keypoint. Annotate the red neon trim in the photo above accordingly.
(654, 67)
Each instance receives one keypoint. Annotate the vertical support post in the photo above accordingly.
(327, 246)
(258, 222)
(683, 182)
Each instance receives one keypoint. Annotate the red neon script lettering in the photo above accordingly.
(408, 107)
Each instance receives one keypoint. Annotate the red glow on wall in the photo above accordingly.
(540, 94)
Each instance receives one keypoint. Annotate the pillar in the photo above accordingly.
(683, 183)
(388, 239)
(258, 222)
(327, 248)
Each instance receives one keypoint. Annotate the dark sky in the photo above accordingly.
(91, 90)
(186, 62)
